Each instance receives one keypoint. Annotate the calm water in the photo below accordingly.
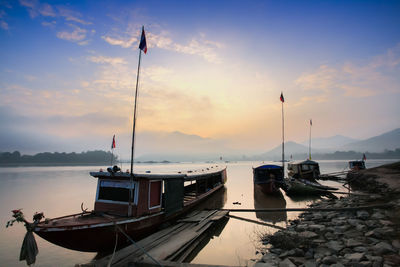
(60, 191)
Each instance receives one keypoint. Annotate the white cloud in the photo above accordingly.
(379, 76)
(199, 46)
(107, 60)
(71, 15)
(121, 42)
(78, 34)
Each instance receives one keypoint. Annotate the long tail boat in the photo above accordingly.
(137, 208)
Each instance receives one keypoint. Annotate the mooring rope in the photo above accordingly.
(115, 248)
(254, 221)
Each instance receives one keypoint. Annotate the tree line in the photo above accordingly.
(97, 157)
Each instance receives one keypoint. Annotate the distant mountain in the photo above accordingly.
(330, 143)
(291, 148)
(388, 141)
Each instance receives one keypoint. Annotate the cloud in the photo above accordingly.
(107, 60)
(4, 25)
(78, 34)
(71, 15)
(121, 42)
(354, 80)
(199, 45)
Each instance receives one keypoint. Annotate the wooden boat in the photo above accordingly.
(298, 186)
(307, 169)
(356, 165)
(136, 207)
(269, 178)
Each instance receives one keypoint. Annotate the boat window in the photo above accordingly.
(115, 190)
(306, 167)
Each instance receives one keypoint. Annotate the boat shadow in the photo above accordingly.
(270, 201)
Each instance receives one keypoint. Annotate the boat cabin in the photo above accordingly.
(306, 169)
(356, 165)
(119, 193)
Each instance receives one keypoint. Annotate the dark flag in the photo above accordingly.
(310, 122)
(282, 99)
(364, 157)
(113, 142)
(143, 44)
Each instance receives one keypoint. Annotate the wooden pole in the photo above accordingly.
(309, 145)
(283, 141)
(133, 136)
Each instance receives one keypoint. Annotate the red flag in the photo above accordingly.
(113, 142)
(282, 99)
(143, 44)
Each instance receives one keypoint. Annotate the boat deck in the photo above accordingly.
(170, 246)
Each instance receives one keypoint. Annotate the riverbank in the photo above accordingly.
(364, 237)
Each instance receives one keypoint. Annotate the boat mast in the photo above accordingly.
(283, 136)
(142, 46)
(309, 145)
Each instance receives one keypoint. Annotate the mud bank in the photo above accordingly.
(364, 237)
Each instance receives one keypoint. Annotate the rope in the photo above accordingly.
(311, 209)
(138, 246)
(115, 248)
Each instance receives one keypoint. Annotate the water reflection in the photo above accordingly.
(265, 201)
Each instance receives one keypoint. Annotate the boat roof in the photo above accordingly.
(187, 175)
(307, 161)
(269, 166)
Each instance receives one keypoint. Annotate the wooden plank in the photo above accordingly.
(167, 243)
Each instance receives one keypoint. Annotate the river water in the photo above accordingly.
(59, 191)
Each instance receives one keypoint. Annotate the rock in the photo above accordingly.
(265, 264)
(297, 260)
(355, 257)
(301, 228)
(275, 250)
(364, 264)
(336, 246)
(360, 249)
(378, 215)
(362, 214)
(316, 227)
(361, 227)
(286, 263)
(341, 228)
(310, 263)
(269, 257)
(353, 243)
(321, 252)
(396, 244)
(330, 236)
(337, 265)
(308, 234)
(383, 248)
(354, 222)
(385, 222)
(329, 260)
(309, 254)
(373, 233)
(371, 223)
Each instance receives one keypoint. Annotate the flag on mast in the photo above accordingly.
(311, 122)
(364, 157)
(143, 44)
(113, 142)
(281, 98)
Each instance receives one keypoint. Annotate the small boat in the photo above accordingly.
(298, 186)
(136, 206)
(356, 165)
(269, 178)
(307, 169)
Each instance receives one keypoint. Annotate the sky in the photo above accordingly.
(211, 78)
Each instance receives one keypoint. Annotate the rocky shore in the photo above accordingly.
(360, 237)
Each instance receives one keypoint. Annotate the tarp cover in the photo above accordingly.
(29, 249)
